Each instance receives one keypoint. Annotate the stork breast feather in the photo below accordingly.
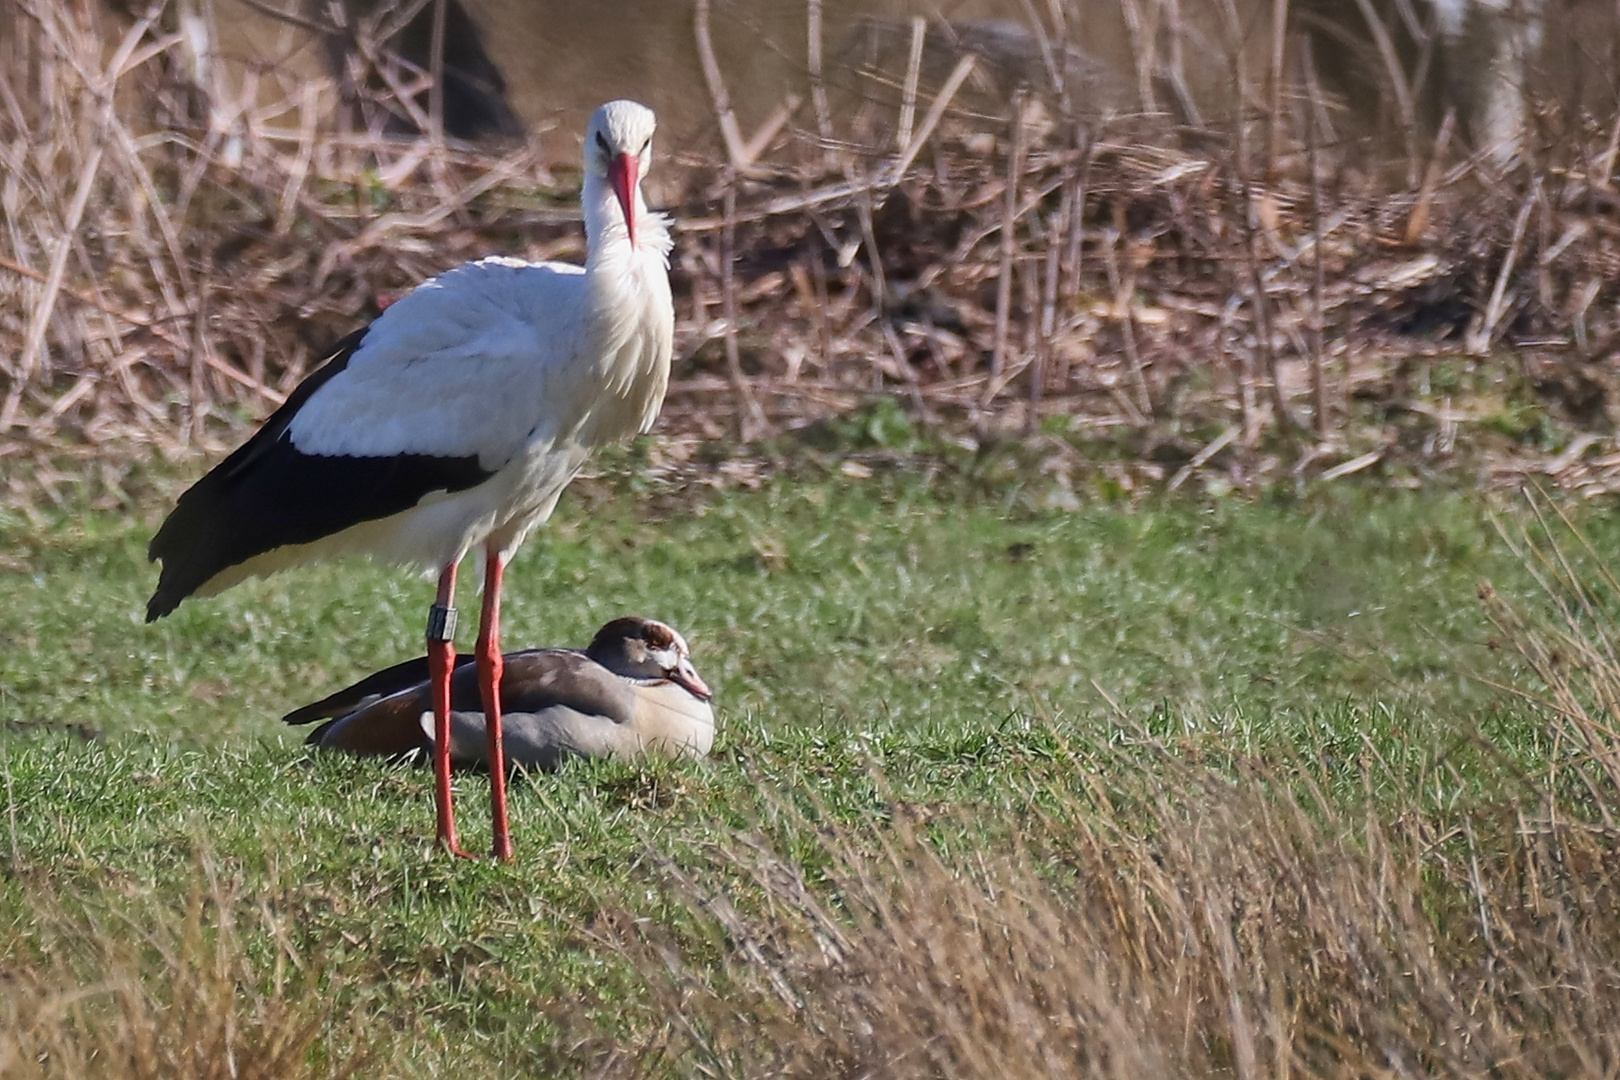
(460, 367)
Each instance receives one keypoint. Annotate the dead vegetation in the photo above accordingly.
(1213, 926)
(152, 994)
(1238, 301)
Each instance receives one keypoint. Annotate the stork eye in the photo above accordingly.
(602, 143)
(646, 146)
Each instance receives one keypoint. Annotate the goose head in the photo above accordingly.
(638, 648)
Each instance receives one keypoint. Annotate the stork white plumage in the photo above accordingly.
(452, 423)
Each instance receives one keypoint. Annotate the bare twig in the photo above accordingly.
(736, 147)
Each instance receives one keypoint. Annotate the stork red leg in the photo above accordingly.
(441, 650)
(490, 666)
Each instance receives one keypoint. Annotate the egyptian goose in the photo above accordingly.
(633, 691)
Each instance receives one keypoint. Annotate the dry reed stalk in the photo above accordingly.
(771, 127)
(818, 85)
(1050, 275)
(1574, 652)
(1074, 256)
(436, 72)
(1004, 276)
(1175, 66)
(1122, 283)
(1399, 86)
(908, 92)
(1317, 320)
(369, 41)
(1483, 332)
(1274, 83)
(1418, 220)
(942, 101)
(117, 66)
(1226, 438)
(1260, 304)
(750, 419)
(822, 319)
(1144, 36)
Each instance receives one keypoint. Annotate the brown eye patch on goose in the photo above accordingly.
(658, 637)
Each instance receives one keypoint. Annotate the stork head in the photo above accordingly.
(618, 149)
(646, 649)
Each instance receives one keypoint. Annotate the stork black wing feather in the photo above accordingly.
(269, 494)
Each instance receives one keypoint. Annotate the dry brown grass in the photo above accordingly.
(1228, 300)
(1175, 922)
(152, 994)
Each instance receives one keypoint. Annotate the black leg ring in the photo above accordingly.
(441, 624)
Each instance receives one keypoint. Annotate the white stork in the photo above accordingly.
(452, 423)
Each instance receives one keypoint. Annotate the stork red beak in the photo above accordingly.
(686, 676)
(622, 175)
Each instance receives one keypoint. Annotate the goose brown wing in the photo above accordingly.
(384, 707)
(380, 684)
(384, 727)
(540, 679)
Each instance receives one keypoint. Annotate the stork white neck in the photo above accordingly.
(629, 316)
(606, 233)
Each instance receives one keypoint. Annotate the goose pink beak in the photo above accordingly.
(686, 676)
(622, 174)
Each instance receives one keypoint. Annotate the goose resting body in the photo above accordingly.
(632, 692)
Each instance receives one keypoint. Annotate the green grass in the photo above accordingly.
(872, 644)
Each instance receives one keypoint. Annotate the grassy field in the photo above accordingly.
(936, 706)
